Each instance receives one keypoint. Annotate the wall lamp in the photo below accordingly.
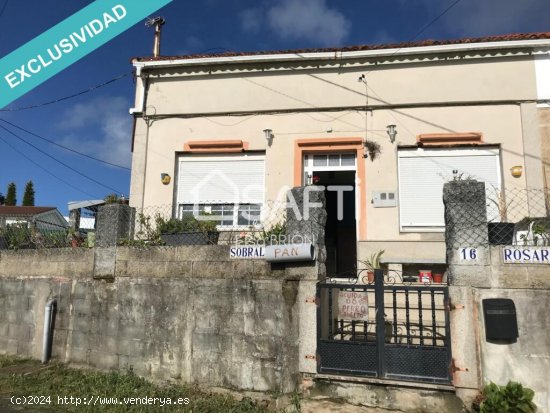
(268, 136)
(392, 132)
(516, 171)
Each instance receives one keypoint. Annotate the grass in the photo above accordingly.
(11, 361)
(61, 381)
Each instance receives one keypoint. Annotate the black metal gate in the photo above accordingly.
(384, 329)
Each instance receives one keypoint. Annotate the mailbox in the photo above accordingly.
(501, 322)
(289, 252)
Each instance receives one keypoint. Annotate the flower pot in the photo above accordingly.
(438, 278)
(425, 276)
(370, 276)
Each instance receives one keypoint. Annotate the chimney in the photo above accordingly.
(158, 22)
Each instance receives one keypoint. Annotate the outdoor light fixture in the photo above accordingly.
(516, 171)
(268, 136)
(165, 178)
(392, 132)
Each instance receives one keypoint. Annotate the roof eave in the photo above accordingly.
(356, 54)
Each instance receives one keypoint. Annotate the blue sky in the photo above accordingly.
(98, 123)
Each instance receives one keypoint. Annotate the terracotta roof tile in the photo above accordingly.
(499, 38)
(23, 210)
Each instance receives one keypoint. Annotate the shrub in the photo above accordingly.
(186, 224)
(512, 398)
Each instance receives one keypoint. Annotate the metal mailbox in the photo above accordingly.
(500, 319)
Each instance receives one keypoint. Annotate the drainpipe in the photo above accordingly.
(48, 320)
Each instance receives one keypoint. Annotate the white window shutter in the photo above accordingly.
(422, 173)
(235, 178)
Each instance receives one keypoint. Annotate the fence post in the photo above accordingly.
(465, 216)
(114, 223)
(310, 225)
(467, 239)
(380, 320)
(306, 219)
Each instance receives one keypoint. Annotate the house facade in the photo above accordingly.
(235, 131)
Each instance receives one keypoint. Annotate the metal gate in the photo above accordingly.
(384, 328)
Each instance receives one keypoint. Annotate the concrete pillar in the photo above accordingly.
(306, 220)
(465, 231)
(465, 216)
(74, 219)
(114, 223)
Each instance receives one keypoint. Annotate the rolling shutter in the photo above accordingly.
(224, 179)
(422, 173)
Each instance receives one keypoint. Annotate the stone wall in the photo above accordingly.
(477, 361)
(184, 313)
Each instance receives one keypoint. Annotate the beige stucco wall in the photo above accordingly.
(544, 131)
(292, 88)
(214, 95)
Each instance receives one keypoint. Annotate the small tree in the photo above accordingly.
(2, 199)
(28, 196)
(11, 197)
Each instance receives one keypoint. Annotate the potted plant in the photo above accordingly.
(75, 238)
(188, 231)
(373, 149)
(533, 231)
(502, 232)
(372, 263)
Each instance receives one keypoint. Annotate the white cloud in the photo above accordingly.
(311, 20)
(251, 20)
(190, 45)
(382, 37)
(100, 127)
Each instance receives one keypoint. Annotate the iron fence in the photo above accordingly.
(384, 327)
(511, 216)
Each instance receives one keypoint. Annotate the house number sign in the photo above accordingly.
(468, 254)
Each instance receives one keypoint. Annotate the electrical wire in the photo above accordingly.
(300, 101)
(424, 28)
(46, 170)
(233, 124)
(60, 162)
(91, 89)
(440, 15)
(64, 147)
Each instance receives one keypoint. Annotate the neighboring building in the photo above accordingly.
(42, 217)
(470, 107)
(82, 214)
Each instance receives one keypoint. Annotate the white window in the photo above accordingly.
(422, 173)
(230, 187)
